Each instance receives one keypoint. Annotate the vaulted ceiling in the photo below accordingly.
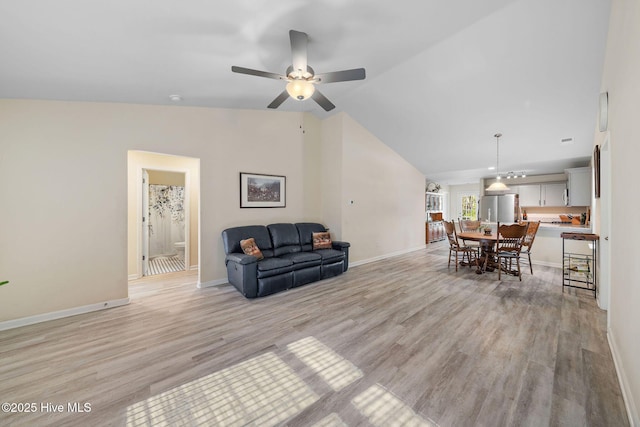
(442, 77)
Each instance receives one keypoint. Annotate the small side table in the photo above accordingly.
(579, 270)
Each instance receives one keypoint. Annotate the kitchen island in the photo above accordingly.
(547, 247)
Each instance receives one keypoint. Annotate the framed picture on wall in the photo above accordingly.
(262, 191)
(596, 171)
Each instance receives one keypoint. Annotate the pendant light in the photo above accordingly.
(498, 185)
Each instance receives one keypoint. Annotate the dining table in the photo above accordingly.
(487, 248)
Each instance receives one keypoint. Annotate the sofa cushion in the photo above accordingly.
(285, 238)
(303, 259)
(329, 255)
(271, 266)
(249, 247)
(321, 240)
(305, 233)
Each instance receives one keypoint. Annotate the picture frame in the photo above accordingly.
(596, 171)
(262, 191)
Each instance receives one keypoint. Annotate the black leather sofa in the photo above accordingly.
(289, 259)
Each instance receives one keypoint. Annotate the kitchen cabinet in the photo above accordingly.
(579, 184)
(553, 194)
(529, 195)
(435, 231)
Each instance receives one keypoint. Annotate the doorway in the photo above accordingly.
(163, 219)
(164, 213)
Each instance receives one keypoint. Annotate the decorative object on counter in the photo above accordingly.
(498, 185)
(524, 215)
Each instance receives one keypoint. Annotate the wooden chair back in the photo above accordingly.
(450, 230)
(511, 237)
(469, 225)
(532, 230)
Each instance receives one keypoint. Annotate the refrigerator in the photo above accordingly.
(503, 208)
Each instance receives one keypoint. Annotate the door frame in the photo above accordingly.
(604, 256)
(187, 213)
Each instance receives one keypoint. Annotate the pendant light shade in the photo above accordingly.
(498, 185)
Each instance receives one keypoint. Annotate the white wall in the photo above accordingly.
(387, 213)
(620, 80)
(64, 176)
(63, 180)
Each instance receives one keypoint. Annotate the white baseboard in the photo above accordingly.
(38, 318)
(211, 283)
(133, 276)
(632, 411)
(546, 263)
(194, 267)
(389, 255)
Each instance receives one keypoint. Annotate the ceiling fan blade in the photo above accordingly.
(298, 50)
(341, 76)
(279, 100)
(322, 101)
(258, 73)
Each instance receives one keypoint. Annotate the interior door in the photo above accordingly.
(145, 222)
(604, 279)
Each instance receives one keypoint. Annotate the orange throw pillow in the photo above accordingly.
(249, 247)
(321, 240)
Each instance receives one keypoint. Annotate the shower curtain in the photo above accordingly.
(166, 219)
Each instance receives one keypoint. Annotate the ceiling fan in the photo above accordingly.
(300, 76)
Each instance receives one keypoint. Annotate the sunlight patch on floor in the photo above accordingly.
(263, 391)
(335, 370)
(384, 409)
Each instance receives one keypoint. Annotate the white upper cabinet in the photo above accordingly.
(542, 194)
(554, 194)
(529, 195)
(579, 183)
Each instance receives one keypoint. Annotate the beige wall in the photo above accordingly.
(387, 213)
(64, 169)
(63, 165)
(138, 160)
(620, 80)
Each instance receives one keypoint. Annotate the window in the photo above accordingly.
(469, 207)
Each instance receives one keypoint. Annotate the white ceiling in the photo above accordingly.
(442, 76)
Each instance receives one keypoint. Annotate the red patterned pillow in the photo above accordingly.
(321, 240)
(249, 247)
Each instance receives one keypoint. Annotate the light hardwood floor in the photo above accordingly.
(403, 341)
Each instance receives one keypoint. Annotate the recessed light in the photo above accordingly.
(491, 168)
(175, 98)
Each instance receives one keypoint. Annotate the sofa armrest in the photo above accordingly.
(344, 247)
(242, 259)
(242, 271)
(337, 245)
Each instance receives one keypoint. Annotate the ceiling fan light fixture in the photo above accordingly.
(300, 89)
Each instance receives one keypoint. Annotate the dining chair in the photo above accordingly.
(468, 225)
(454, 246)
(528, 242)
(510, 239)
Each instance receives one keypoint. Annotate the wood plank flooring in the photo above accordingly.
(403, 341)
